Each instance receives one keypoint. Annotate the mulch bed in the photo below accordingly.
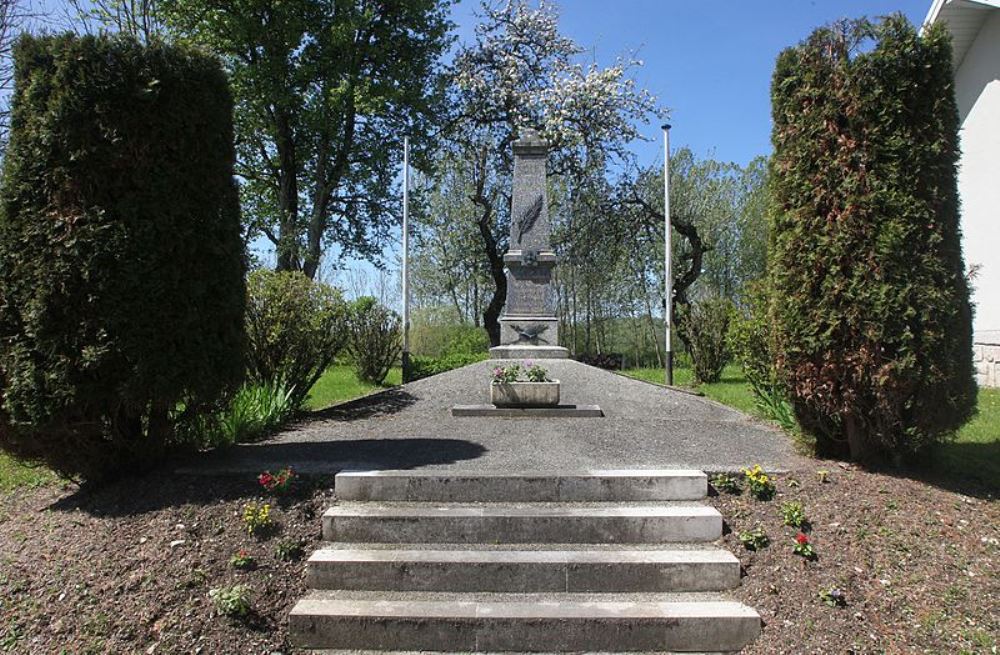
(128, 568)
(916, 564)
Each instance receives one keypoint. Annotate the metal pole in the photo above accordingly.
(668, 309)
(406, 257)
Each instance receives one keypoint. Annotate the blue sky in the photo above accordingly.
(710, 63)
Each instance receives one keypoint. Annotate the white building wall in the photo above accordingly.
(977, 91)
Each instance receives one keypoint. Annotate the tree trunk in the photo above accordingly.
(491, 317)
(288, 195)
(475, 302)
(652, 330)
(856, 441)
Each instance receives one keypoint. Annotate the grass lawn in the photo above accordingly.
(974, 453)
(731, 390)
(340, 383)
(14, 475)
(337, 385)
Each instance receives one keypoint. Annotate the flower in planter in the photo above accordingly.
(506, 374)
(803, 547)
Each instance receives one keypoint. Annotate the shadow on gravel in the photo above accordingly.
(231, 474)
(382, 403)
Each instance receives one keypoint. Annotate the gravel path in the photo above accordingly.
(645, 426)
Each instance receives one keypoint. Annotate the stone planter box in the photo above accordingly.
(525, 394)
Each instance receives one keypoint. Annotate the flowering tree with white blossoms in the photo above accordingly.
(521, 73)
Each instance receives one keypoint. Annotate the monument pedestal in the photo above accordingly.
(529, 327)
(514, 351)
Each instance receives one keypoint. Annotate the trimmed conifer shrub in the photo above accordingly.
(121, 260)
(868, 294)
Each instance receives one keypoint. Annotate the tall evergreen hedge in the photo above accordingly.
(869, 300)
(121, 261)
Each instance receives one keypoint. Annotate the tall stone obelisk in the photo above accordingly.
(529, 327)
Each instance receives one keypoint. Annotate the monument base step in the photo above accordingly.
(528, 352)
(564, 411)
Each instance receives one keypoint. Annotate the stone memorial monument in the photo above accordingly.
(529, 327)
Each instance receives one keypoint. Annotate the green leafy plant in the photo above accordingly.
(727, 483)
(823, 475)
(755, 539)
(233, 602)
(535, 372)
(257, 410)
(803, 547)
(760, 484)
(257, 518)
(122, 275)
(705, 327)
(277, 483)
(295, 329)
(290, 550)
(793, 515)
(243, 560)
(864, 214)
(252, 413)
(376, 339)
(833, 597)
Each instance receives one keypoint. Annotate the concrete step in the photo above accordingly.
(449, 486)
(624, 569)
(522, 523)
(557, 623)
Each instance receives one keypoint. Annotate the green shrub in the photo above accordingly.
(376, 339)
(121, 261)
(869, 299)
(705, 325)
(750, 342)
(295, 328)
(434, 332)
(422, 367)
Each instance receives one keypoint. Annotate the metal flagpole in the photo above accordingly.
(668, 310)
(406, 257)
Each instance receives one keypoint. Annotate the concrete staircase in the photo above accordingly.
(608, 561)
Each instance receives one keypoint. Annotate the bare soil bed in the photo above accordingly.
(128, 568)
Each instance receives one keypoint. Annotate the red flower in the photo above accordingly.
(801, 538)
(266, 480)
